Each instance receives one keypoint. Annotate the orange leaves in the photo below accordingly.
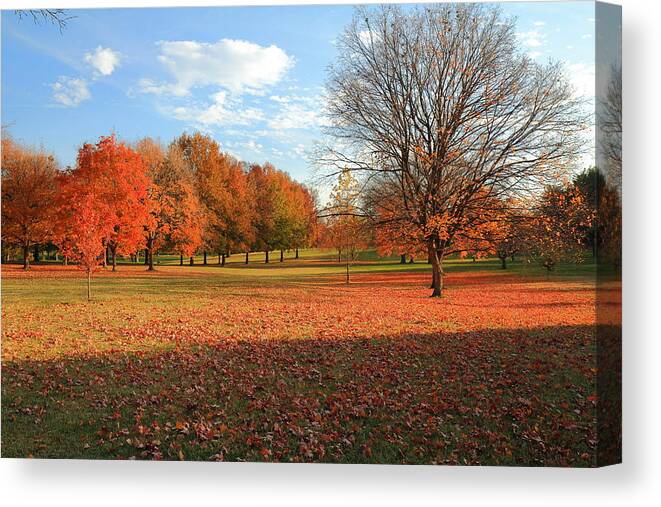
(29, 184)
(499, 371)
(102, 202)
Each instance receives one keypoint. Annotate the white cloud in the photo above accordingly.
(104, 60)
(570, 47)
(253, 146)
(296, 112)
(70, 91)
(222, 111)
(539, 23)
(586, 36)
(235, 65)
(582, 76)
(532, 39)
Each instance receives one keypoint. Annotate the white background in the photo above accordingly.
(636, 482)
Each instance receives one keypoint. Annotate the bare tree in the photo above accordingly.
(57, 17)
(610, 123)
(439, 108)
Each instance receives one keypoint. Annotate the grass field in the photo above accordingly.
(285, 362)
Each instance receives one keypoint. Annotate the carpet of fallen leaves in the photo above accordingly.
(501, 370)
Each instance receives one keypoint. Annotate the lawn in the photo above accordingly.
(285, 362)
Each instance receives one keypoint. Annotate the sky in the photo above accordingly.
(251, 77)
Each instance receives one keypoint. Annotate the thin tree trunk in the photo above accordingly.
(205, 258)
(282, 255)
(266, 260)
(503, 262)
(411, 261)
(181, 259)
(192, 260)
(222, 260)
(37, 258)
(219, 261)
(297, 253)
(402, 259)
(146, 256)
(89, 285)
(65, 260)
(247, 253)
(113, 253)
(437, 271)
(26, 257)
(150, 254)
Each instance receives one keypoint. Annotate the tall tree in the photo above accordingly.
(441, 106)
(28, 194)
(223, 191)
(119, 176)
(268, 200)
(175, 218)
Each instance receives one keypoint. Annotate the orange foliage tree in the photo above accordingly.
(28, 193)
(102, 204)
(556, 230)
(174, 215)
(224, 194)
(83, 224)
(120, 179)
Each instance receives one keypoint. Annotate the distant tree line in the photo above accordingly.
(188, 197)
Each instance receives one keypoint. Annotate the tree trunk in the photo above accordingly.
(247, 253)
(37, 258)
(503, 262)
(66, 260)
(192, 260)
(146, 256)
(282, 255)
(402, 259)
(219, 261)
(105, 257)
(266, 259)
(411, 261)
(181, 259)
(339, 256)
(437, 271)
(222, 260)
(297, 253)
(26, 257)
(204, 254)
(113, 256)
(150, 254)
(89, 285)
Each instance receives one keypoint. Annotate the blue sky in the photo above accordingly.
(252, 77)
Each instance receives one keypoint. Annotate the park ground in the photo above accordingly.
(285, 362)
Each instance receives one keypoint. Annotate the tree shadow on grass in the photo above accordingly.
(496, 397)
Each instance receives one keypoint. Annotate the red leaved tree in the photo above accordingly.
(83, 223)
